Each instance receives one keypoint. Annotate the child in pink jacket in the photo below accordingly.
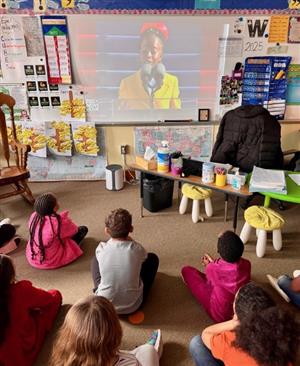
(215, 290)
(54, 238)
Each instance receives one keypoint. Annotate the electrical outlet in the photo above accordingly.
(123, 149)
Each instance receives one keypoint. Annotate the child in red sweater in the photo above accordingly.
(26, 314)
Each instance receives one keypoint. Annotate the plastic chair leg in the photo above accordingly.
(245, 233)
(261, 243)
(196, 212)
(183, 205)
(208, 207)
(277, 239)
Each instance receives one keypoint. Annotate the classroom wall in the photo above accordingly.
(290, 139)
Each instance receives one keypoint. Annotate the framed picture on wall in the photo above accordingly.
(203, 115)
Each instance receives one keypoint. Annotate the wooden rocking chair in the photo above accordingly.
(16, 175)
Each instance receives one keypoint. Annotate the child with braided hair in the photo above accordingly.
(54, 238)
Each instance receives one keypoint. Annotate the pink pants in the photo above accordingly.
(197, 283)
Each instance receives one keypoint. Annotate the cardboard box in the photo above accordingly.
(146, 164)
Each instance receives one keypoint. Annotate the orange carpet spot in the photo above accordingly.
(136, 318)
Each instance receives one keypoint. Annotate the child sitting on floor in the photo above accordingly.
(260, 333)
(27, 313)
(54, 238)
(122, 270)
(215, 290)
(287, 287)
(92, 335)
(9, 241)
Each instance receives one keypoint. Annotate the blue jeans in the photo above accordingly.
(284, 282)
(201, 355)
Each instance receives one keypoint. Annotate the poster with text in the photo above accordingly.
(18, 92)
(12, 49)
(57, 48)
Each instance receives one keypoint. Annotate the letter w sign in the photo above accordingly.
(257, 29)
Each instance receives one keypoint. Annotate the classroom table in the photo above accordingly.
(228, 190)
(293, 192)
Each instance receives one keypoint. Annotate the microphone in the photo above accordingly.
(158, 73)
(146, 71)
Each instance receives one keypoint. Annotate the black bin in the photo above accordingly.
(158, 193)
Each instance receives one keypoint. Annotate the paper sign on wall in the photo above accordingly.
(56, 40)
(12, 49)
(279, 28)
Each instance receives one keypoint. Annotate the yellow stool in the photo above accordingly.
(197, 194)
(263, 219)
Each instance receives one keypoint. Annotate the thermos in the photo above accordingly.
(163, 157)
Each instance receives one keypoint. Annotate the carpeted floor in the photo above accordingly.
(173, 237)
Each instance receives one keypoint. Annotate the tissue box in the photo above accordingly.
(146, 164)
(231, 174)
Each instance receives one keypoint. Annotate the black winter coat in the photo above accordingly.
(248, 136)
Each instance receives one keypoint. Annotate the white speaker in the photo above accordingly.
(114, 177)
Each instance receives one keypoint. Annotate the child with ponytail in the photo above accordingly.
(54, 238)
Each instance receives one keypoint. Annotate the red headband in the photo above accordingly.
(161, 27)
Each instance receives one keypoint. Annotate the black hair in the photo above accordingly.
(230, 246)
(7, 232)
(44, 206)
(267, 333)
(7, 276)
(251, 298)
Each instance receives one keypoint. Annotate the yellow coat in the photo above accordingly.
(132, 94)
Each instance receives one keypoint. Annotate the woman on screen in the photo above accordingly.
(151, 86)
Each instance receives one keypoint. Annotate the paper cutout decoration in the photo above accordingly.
(72, 104)
(33, 134)
(39, 6)
(59, 138)
(68, 4)
(294, 4)
(85, 138)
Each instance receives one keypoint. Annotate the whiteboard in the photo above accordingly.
(105, 49)
(198, 52)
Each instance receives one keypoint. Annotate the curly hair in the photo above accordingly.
(7, 277)
(230, 246)
(119, 223)
(90, 335)
(266, 332)
(44, 206)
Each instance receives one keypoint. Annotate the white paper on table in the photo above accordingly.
(295, 178)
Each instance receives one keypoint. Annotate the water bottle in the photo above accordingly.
(163, 157)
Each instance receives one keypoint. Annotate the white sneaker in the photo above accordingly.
(5, 221)
(156, 341)
(296, 273)
(274, 283)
